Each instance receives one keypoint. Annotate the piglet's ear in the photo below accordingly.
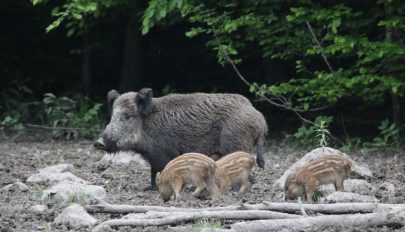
(111, 97)
(143, 100)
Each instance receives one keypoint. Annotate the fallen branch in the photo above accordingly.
(52, 128)
(371, 219)
(338, 208)
(168, 218)
(315, 39)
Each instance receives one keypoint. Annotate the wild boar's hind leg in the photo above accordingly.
(200, 184)
(245, 183)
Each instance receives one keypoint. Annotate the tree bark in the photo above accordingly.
(132, 73)
(396, 104)
(86, 57)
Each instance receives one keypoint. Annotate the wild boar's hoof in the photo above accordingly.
(99, 144)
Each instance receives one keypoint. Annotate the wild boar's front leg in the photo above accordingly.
(339, 184)
(212, 188)
(177, 185)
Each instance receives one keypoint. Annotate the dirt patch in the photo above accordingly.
(124, 184)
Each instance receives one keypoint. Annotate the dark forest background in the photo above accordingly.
(59, 59)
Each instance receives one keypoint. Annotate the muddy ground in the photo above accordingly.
(19, 160)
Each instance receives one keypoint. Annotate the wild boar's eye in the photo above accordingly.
(126, 116)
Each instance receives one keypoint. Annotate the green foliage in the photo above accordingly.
(11, 124)
(365, 44)
(317, 195)
(80, 198)
(207, 225)
(77, 118)
(312, 135)
(167, 89)
(389, 135)
(47, 227)
(15, 102)
(75, 13)
(351, 144)
(158, 10)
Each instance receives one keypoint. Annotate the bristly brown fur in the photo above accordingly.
(162, 128)
(329, 169)
(235, 169)
(189, 168)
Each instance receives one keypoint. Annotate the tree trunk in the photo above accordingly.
(133, 64)
(396, 104)
(86, 56)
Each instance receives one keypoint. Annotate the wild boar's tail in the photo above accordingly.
(260, 160)
(259, 153)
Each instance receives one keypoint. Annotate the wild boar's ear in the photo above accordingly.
(111, 96)
(143, 100)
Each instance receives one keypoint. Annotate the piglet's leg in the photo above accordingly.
(177, 184)
(245, 184)
(212, 187)
(224, 184)
(200, 184)
(339, 185)
(310, 188)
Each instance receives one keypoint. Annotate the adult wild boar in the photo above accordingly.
(161, 129)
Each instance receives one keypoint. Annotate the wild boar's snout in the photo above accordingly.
(99, 144)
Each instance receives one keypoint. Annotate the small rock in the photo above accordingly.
(386, 190)
(75, 216)
(52, 177)
(69, 191)
(340, 197)
(276, 165)
(351, 185)
(21, 186)
(55, 173)
(359, 186)
(38, 209)
(58, 168)
(16, 186)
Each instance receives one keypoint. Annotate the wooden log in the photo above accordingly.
(338, 208)
(170, 218)
(306, 223)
